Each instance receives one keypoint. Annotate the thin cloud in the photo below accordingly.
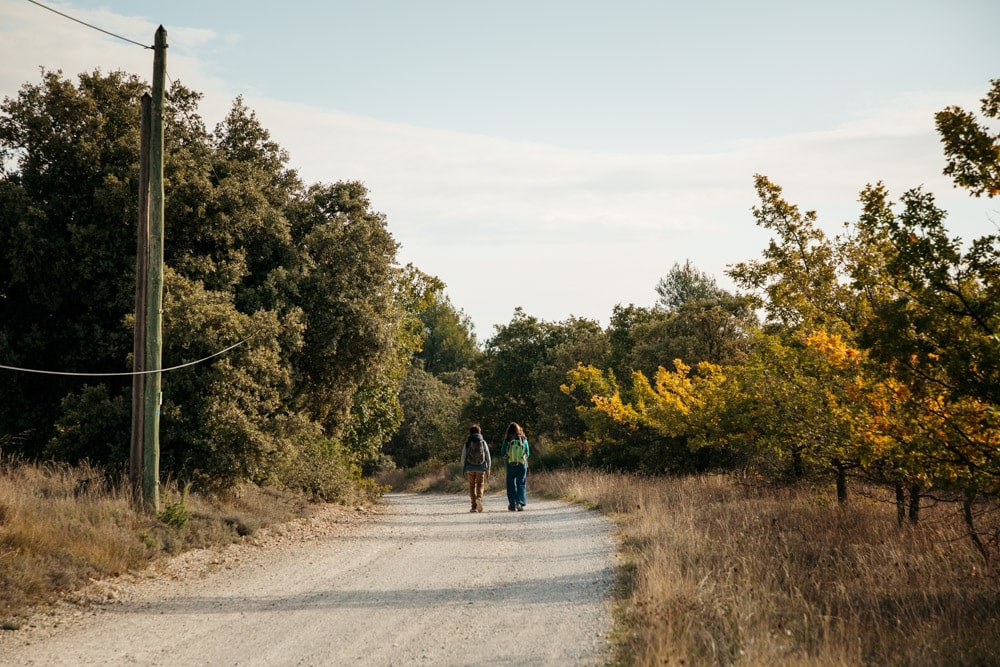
(585, 229)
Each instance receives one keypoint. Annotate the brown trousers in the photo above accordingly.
(476, 482)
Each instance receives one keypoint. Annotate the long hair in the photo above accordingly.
(514, 431)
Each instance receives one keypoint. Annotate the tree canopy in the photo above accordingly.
(307, 274)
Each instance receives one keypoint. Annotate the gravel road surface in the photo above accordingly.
(425, 582)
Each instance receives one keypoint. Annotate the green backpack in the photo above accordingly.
(515, 451)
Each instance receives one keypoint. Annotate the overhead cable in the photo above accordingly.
(162, 370)
(93, 27)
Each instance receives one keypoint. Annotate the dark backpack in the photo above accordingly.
(475, 451)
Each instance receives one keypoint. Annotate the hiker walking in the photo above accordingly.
(514, 450)
(476, 464)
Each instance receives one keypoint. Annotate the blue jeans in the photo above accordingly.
(517, 477)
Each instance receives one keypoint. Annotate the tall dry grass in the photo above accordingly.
(715, 573)
(61, 526)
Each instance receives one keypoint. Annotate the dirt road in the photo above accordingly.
(426, 582)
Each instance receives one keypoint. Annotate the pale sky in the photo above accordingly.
(562, 155)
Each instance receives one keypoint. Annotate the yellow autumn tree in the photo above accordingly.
(672, 407)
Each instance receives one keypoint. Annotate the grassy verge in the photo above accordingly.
(62, 526)
(717, 573)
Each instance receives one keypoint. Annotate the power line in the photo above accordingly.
(162, 370)
(93, 27)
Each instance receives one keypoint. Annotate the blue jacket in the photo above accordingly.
(485, 465)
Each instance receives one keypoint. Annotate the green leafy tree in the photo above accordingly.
(921, 312)
(439, 381)
(306, 276)
(228, 197)
(379, 409)
(683, 285)
(432, 427)
(714, 330)
(623, 329)
(781, 412)
(520, 372)
(694, 320)
(345, 284)
(973, 151)
(571, 342)
(449, 339)
(223, 421)
(797, 280)
(934, 330)
(504, 375)
(802, 283)
(67, 240)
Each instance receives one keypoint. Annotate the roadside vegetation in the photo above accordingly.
(62, 526)
(719, 572)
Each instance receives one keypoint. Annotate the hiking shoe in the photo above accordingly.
(479, 505)
(473, 509)
(520, 507)
(510, 509)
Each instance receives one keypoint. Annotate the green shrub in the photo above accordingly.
(176, 514)
(326, 471)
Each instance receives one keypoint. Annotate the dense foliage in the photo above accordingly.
(306, 274)
(438, 383)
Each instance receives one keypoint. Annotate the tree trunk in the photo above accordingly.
(841, 482)
(797, 467)
(970, 524)
(900, 504)
(914, 503)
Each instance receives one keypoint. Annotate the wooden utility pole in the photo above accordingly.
(154, 285)
(144, 465)
(139, 337)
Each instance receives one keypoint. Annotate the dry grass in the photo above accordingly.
(61, 526)
(716, 573)
(430, 477)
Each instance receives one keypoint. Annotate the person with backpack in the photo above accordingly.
(515, 451)
(476, 463)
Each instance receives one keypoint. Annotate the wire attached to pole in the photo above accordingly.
(93, 27)
(123, 374)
